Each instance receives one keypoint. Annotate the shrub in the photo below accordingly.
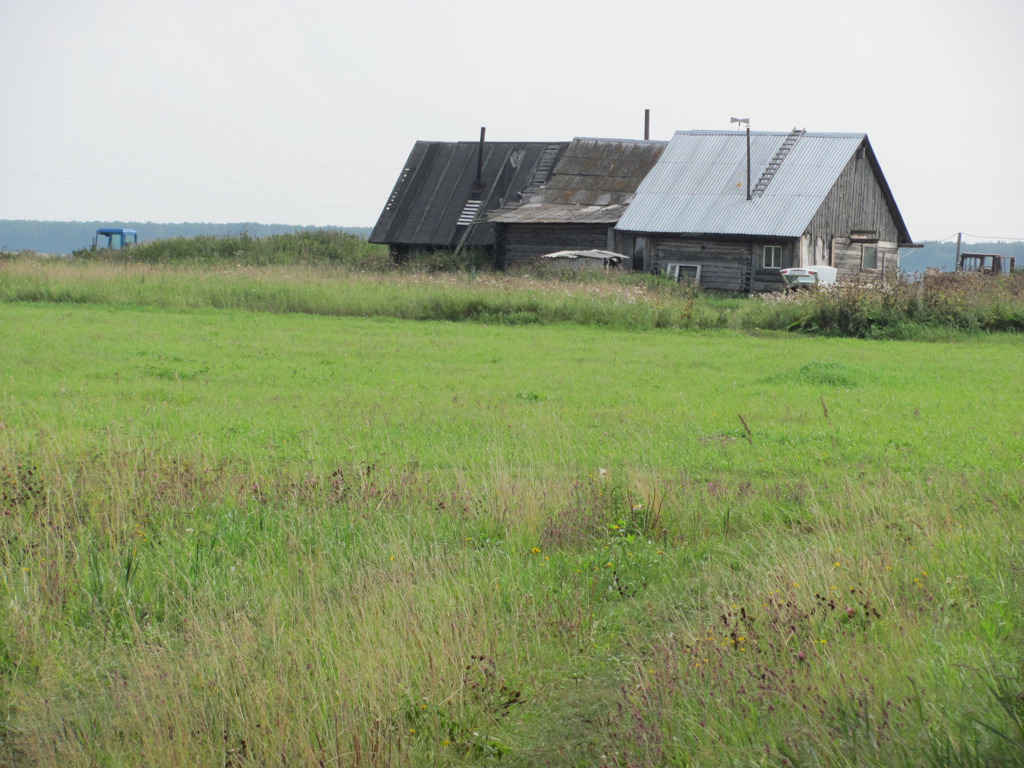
(896, 307)
(319, 246)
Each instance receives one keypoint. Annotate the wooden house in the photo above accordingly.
(707, 213)
(579, 206)
(446, 188)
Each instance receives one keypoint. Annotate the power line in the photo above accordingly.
(993, 237)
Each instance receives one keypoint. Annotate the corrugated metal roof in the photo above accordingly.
(592, 184)
(439, 179)
(699, 184)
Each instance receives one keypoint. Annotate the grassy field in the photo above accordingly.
(262, 534)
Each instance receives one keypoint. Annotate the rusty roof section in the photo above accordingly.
(593, 183)
(436, 193)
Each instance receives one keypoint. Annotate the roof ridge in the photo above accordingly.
(733, 132)
(620, 141)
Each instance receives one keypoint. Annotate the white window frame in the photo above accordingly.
(672, 269)
(776, 250)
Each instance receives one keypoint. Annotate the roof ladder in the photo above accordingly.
(469, 213)
(545, 165)
(776, 161)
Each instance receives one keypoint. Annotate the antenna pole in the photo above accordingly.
(748, 161)
(741, 121)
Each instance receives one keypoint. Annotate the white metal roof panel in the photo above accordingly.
(699, 185)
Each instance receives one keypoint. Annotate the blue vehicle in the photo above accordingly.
(116, 238)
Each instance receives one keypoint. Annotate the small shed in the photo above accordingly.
(588, 192)
(446, 188)
(707, 213)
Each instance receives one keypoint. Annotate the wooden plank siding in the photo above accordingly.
(725, 265)
(519, 243)
(854, 208)
(848, 257)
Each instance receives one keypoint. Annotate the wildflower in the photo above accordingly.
(535, 551)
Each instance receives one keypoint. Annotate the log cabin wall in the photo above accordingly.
(725, 265)
(849, 257)
(520, 243)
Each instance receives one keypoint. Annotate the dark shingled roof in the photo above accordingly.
(439, 179)
(593, 183)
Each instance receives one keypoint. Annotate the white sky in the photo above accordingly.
(303, 112)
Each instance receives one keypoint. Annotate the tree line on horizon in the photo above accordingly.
(65, 237)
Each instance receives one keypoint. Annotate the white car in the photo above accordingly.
(809, 277)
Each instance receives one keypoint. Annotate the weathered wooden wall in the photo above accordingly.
(855, 204)
(725, 265)
(847, 257)
(522, 242)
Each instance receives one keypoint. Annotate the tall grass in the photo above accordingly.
(333, 273)
(342, 291)
(321, 246)
(233, 538)
(898, 308)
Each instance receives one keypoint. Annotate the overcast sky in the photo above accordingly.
(303, 112)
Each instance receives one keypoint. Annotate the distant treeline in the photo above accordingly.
(69, 236)
(943, 255)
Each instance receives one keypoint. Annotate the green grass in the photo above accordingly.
(636, 302)
(231, 536)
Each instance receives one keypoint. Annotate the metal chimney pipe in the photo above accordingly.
(748, 161)
(647, 125)
(480, 159)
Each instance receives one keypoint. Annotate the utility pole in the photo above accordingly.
(958, 236)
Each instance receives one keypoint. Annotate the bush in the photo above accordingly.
(896, 307)
(319, 246)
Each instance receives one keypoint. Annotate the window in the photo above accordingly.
(870, 260)
(773, 257)
(683, 272)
